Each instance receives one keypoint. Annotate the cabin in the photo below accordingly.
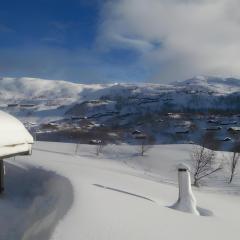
(214, 121)
(27, 105)
(136, 132)
(95, 141)
(226, 139)
(140, 136)
(77, 117)
(50, 126)
(12, 105)
(234, 129)
(228, 122)
(14, 140)
(214, 128)
(182, 131)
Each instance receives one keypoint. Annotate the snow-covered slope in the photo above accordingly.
(23, 88)
(34, 88)
(117, 196)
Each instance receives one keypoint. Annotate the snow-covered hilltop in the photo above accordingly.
(34, 88)
(15, 89)
(215, 84)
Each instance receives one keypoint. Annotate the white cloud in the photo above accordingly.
(195, 36)
(129, 42)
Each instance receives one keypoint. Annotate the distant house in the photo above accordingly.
(234, 129)
(12, 105)
(140, 136)
(136, 132)
(228, 122)
(77, 117)
(168, 114)
(49, 126)
(182, 131)
(226, 139)
(95, 141)
(214, 128)
(27, 105)
(213, 121)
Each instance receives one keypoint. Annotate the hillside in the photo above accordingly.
(59, 109)
(117, 195)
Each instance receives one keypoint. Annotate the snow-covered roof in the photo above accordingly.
(183, 166)
(14, 137)
(237, 129)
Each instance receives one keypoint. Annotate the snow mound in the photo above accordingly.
(14, 136)
(12, 131)
(186, 200)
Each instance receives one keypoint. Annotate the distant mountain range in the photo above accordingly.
(66, 105)
(197, 93)
(35, 88)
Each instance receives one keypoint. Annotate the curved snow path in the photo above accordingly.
(33, 202)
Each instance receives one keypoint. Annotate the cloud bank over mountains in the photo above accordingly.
(176, 38)
(121, 40)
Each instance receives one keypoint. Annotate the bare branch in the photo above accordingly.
(204, 162)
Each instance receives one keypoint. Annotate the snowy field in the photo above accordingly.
(58, 194)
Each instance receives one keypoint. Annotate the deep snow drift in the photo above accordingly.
(120, 195)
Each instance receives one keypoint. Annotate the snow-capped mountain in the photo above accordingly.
(198, 92)
(173, 108)
(34, 88)
(215, 84)
(16, 89)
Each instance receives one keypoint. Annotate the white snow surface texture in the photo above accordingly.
(119, 195)
(14, 136)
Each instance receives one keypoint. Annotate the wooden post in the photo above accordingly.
(1, 176)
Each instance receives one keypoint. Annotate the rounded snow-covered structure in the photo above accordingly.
(14, 137)
(186, 200)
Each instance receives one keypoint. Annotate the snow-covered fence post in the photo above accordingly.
(186, 201)
(1, 176)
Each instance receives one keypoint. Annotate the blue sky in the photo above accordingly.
(57, 39)
(119, 40)
(62, 23)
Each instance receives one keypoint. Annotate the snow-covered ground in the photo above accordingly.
(116, 195)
